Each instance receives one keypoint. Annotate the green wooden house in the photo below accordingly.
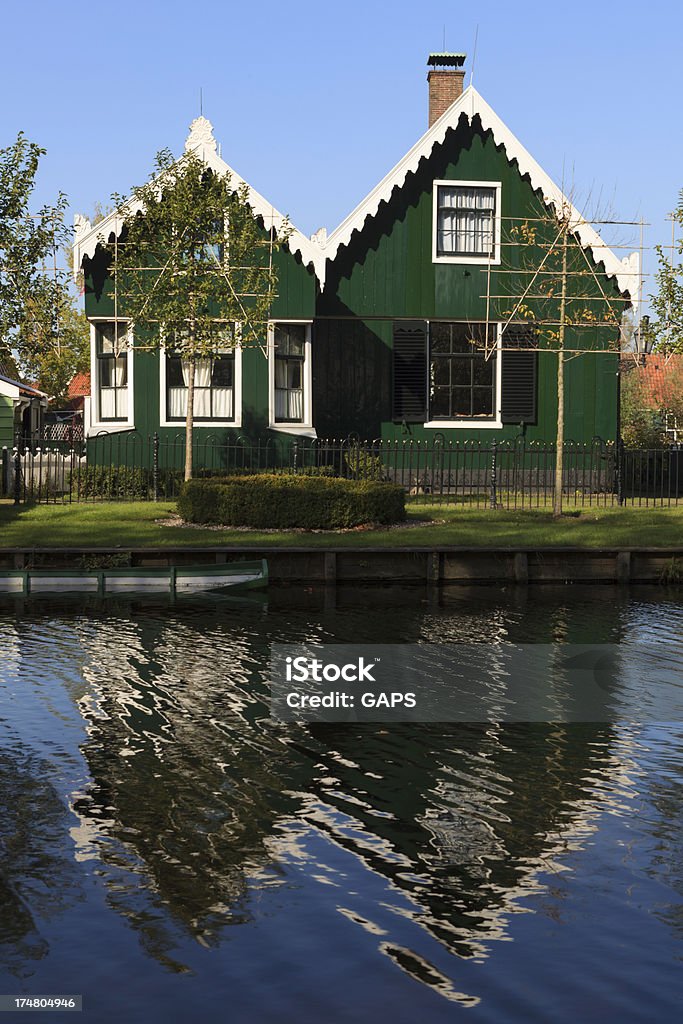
(6, 422)
(22, 409)
(135, 389)
(413, 319)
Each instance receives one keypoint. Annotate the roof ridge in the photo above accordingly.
(88, 236)
(471, 104)
(317, 252)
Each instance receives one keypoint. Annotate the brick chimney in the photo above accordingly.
(445, 82)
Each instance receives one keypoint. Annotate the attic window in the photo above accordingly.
(466, 222)
(213, 249)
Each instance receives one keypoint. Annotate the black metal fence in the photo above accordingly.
(482, 474)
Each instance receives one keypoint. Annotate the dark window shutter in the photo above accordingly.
(519, 373)
(410, 371)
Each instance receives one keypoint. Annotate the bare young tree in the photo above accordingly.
(548, 281)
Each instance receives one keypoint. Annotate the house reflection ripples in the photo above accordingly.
(410, 848)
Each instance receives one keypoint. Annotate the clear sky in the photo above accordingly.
(313, 103)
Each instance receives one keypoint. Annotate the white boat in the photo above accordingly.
(175, 579)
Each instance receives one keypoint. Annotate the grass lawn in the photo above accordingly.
(132, 524)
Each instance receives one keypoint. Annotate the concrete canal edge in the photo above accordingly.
(419, 565)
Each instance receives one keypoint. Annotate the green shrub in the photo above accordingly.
(283, 501)
(111, 482)
(362, 465)
(304, 471)
(265, 471)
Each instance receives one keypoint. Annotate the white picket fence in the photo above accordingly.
(46, 471)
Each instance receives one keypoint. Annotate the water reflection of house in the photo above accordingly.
(191, 777)
(38, 878)
(182, 790)
(474, 813)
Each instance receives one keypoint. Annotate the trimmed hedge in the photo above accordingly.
(280, 502)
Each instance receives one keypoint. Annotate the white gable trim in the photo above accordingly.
(626, 271)
(87, 237)
(317, 251)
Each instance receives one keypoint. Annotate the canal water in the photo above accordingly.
(172, 853)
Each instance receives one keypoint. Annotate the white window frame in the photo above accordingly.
(471, 423)
(305, 427)
(94, 423)
(204, 424)
(671, 426)
(479, 260)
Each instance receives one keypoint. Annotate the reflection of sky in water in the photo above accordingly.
(160, 827)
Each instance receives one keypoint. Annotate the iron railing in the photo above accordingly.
(514, 474)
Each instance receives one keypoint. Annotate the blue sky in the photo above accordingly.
(314, 103)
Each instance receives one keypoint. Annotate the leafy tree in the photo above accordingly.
(667, 304)
(28, 242)
(53, 340)
(645, 408)
(641, 425)
(192, 267)
(670, 391)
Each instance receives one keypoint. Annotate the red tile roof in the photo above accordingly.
(662, 376)
(79, 386)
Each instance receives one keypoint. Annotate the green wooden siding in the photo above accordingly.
(387, 272)
(295, 301)
(6, 422)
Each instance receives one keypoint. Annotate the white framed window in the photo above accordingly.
(464, 374)
(111, 360)
(466, 226)
(671, 426)
(215, 250)
(217, 385)
(290, 376)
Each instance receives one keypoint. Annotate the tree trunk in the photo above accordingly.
(559, 443)
(189, 419)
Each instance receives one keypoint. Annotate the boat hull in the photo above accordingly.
(178, 580)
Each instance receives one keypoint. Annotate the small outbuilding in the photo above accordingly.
(22, 410)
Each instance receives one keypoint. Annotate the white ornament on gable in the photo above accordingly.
(201, 135)
(202, 142)
(81, 225)
(632, 275)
